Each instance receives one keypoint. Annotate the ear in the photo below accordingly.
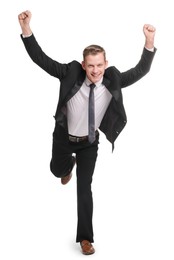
(106, 64)
(83, 65)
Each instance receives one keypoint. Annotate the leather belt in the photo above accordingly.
(77, 139)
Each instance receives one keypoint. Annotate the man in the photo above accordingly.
(77, 121)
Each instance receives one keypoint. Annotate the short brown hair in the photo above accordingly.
(93, 50)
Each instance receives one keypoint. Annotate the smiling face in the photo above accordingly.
(94, 62)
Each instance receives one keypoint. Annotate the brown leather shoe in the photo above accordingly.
(87, 248)
(67, 178)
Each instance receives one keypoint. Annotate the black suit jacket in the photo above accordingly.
(71, 78)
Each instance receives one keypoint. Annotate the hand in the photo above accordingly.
(24, 21)
(149, 32)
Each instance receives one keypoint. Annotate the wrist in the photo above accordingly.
(149, 43)
(26, 31)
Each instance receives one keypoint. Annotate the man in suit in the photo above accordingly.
(76, 125)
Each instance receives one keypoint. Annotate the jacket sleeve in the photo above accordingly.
(140, 70)
(51, 66)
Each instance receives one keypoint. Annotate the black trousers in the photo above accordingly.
(61, 162)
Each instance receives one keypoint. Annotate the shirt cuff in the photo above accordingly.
(26, 36)
(151, 49)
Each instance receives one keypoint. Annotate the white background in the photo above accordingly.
(132, 187)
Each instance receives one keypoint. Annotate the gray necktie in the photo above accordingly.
(91, 117)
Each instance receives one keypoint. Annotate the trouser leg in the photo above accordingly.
(85, 159)
(61, 161)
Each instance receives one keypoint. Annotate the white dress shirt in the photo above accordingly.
(77, 108)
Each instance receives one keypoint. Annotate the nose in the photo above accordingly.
(95, 69)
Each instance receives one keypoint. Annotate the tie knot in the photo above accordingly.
(92, 86)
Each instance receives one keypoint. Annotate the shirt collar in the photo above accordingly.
(88, 82)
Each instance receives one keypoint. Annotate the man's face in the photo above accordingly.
(95, 66)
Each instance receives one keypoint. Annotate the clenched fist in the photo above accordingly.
(24, 21)
(149, 32)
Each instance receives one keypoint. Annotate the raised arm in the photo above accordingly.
(142, 68)
(35, 52)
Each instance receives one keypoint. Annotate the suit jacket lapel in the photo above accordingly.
(75, 88)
